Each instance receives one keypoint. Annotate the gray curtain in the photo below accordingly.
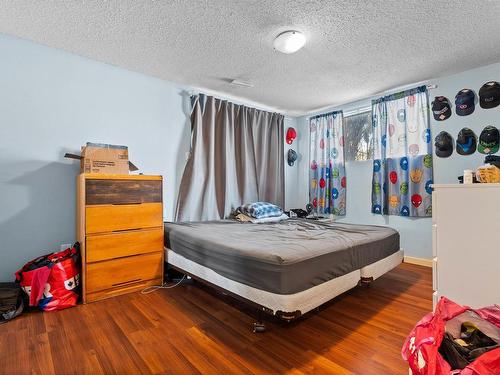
(236, 158)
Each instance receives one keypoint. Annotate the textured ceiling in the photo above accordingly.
(355, 48)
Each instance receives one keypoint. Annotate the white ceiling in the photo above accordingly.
(355, 48)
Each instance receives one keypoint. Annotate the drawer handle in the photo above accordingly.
(126, 282)
(127, 230)
(125, 203)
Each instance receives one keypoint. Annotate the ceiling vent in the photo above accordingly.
(239, 82)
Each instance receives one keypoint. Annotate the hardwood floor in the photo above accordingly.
(190, 329)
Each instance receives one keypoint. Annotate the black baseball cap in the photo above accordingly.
(443, 144)
(466, 142)
(488, 140)
(492, 159)
(489, 95)
(441, 108)
(464, 102)
(292, 157)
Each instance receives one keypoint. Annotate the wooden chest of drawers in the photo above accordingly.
(120, 229)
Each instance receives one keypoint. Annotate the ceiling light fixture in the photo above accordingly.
(289, 41)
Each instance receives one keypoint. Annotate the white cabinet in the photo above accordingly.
(466, 243)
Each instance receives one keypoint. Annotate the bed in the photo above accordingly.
(286, 268)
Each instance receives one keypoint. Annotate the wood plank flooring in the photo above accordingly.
(190, 330)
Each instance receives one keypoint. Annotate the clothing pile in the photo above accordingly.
(260, 212)
(455, 339)
(11, 301)
(464, 343)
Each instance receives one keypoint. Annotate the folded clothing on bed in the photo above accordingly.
(244, 218)
(260, 210)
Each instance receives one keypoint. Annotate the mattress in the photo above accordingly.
(283, 258)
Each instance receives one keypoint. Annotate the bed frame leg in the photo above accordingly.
(365, 281)
(259, 326)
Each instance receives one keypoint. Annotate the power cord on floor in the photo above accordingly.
(154, 288)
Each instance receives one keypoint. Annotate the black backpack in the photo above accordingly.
(11, 301)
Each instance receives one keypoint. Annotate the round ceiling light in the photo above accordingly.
(289, 41)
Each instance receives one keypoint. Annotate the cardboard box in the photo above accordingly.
(103, 159)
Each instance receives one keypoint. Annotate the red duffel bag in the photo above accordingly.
(51, 281)
(421, 348)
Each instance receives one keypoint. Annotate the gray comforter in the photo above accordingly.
(285, 257)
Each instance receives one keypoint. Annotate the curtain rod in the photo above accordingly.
(396, 90)
(429, 86)
(237, 101)
(334, 113)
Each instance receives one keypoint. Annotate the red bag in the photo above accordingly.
(51, 281)
(421, 346)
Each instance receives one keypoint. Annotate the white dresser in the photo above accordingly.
(466, 243)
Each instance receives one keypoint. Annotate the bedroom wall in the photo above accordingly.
(52, 102)
(415, 232)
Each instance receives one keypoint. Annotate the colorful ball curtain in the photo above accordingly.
(327, 180)
(402, 165)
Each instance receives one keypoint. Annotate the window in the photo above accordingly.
(358, 137)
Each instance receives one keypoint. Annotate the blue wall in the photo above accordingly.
(52, 102)
(415, 233)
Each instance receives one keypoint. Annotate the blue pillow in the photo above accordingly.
(260, 210)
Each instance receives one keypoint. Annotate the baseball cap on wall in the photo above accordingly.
(489, 140)
(291, 157)
(464, 102)
(489, 95)
(443, 144)
(291, 134)
(441, 108)
(466, 142)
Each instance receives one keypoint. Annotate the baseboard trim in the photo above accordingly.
(419, 261)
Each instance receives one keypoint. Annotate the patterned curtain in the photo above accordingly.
(327, 173)
(402, 165)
